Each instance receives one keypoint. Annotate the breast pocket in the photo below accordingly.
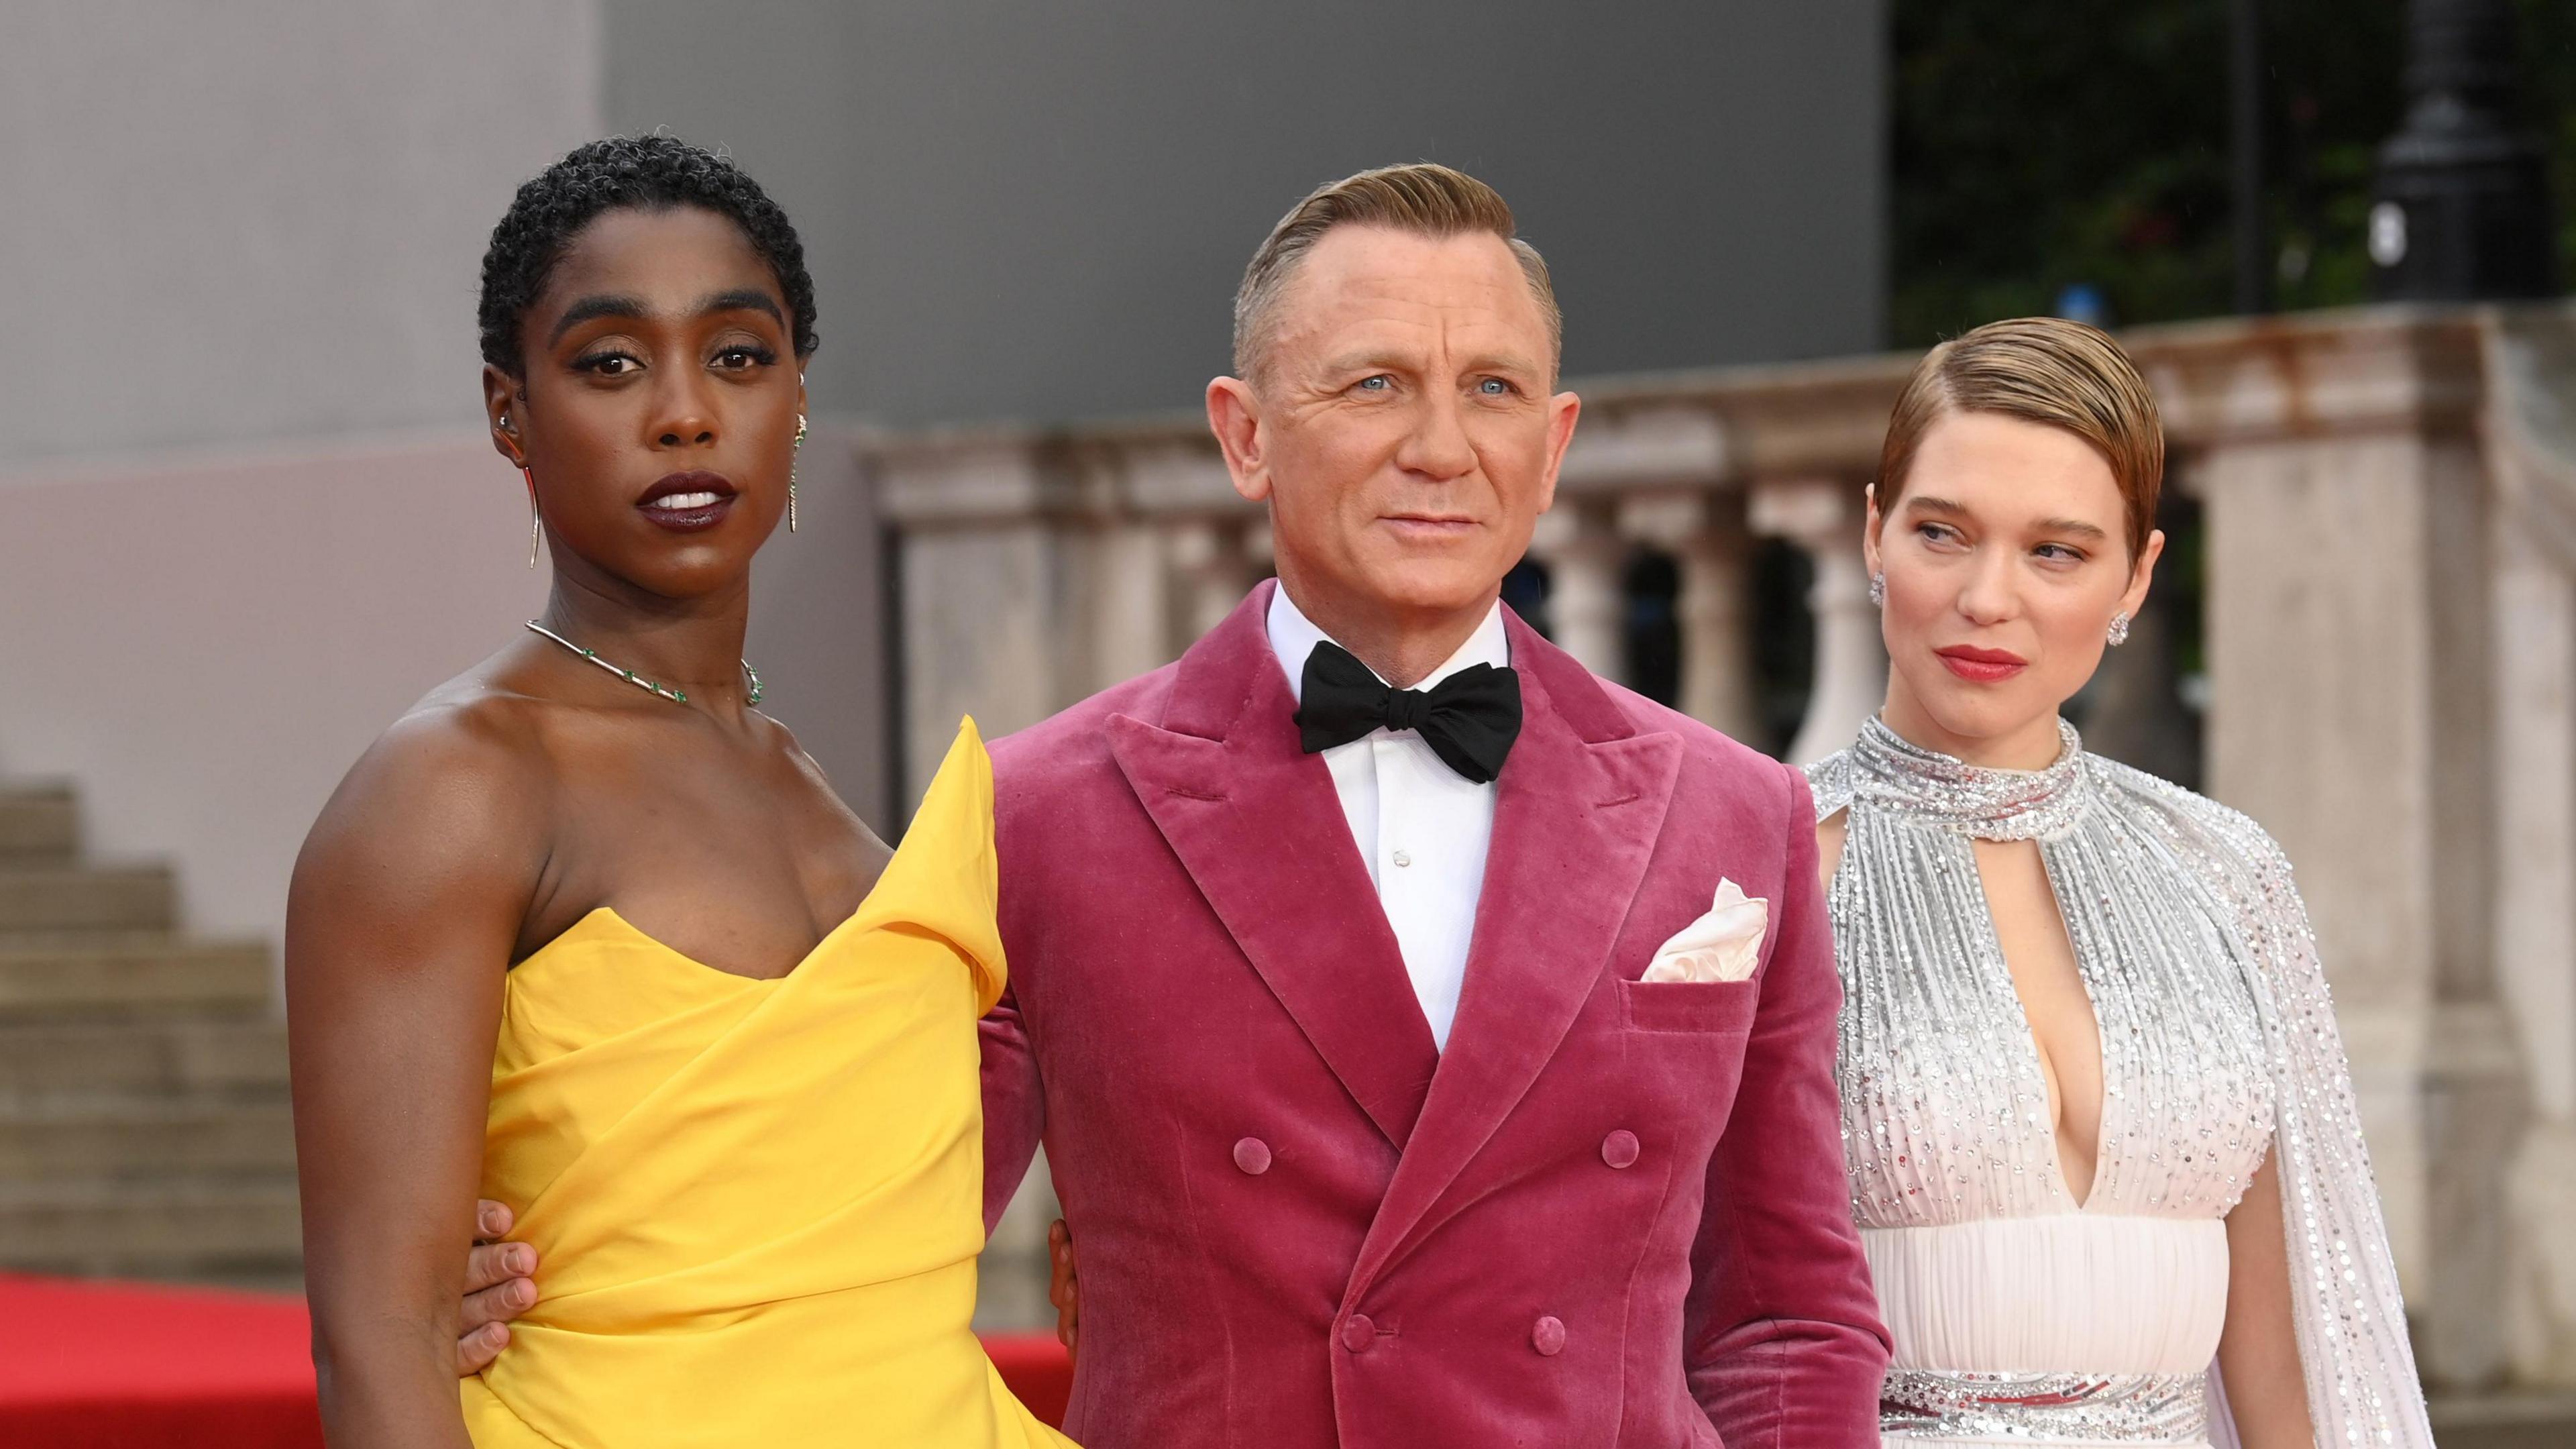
(1710, 1006)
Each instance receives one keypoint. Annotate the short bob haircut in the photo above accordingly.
(2045, 370)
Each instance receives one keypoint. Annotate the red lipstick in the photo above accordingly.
(1982, 666)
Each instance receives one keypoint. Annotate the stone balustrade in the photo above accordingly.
(2386, 527)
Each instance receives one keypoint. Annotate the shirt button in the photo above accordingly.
(1358, 1334)
(1252, 1155)
(1548, 1337)
(1619, 1149)
(1403, 858)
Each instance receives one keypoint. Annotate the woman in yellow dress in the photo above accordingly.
(586, 933)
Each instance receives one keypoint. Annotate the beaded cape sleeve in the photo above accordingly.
(2362, 1384)
(2362, 1387)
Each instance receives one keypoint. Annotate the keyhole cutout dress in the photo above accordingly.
(2020, 1314)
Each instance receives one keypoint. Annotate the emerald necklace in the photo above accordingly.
(676, 696)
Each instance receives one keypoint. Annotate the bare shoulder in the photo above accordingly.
(457, 791)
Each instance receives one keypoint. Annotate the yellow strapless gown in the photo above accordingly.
(759, 1203)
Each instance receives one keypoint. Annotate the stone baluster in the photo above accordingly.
(1823, 518)
(1213, 568)
(1582, 552)
(1706, 535)
(1125, 588)
(984, 569)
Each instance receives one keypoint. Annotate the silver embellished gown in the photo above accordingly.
(2021, 1316)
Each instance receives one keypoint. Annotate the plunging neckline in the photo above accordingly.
(1993, 943)
(1970, 803)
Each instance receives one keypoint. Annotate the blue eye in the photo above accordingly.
(1494, 387)
(1379, 383)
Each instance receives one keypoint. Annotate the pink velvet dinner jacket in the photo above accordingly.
(1611, 1213)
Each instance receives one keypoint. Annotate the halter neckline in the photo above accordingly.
(1972, 800)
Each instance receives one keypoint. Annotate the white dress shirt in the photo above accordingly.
(1422, 828)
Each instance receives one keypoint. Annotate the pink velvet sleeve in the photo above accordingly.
(1014, 1105)
(1784, 1347)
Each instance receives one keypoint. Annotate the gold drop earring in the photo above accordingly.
(536, 528)
(791, 473)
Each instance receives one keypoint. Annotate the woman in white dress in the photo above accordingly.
(2101, 1133)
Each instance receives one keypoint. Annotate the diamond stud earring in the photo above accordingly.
(2119, 634)
(1878, 590)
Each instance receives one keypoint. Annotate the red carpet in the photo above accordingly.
(133, 1366)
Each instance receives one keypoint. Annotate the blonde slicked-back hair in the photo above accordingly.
(2046, 370)
(1423, 198)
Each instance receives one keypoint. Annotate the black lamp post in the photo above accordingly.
(2461, 210)
(2245, 76)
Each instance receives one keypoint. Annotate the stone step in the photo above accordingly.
(39, 824)
(204, 1231)
(74, 974)
(42, 1060)
(39, 898)
(124, 1139)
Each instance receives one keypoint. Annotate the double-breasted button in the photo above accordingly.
(1548, 1337)
(1619, 1149)
(1358, 1334)
(1252, 1155)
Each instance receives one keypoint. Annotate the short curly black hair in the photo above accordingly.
(651, 172)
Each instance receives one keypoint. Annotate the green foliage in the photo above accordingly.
(2549, 82)
(2088, 141)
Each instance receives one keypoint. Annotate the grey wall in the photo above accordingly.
(236, 223)
(1040, 211)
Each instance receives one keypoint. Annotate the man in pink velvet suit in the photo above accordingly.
(1432, 1043)
(1365, 1126)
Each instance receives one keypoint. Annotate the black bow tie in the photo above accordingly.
(1469, 719)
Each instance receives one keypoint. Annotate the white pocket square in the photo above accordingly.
(1724, 945)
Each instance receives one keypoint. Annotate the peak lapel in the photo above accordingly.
(1582, 802)
(1257, 824)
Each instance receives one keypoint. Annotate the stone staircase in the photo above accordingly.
(144, 1129)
